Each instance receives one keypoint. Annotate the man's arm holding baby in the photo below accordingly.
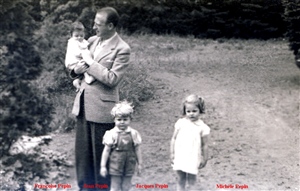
(108, 76)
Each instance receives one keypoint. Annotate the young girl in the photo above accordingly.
(122, 148)
(76, 45)
(189, 143)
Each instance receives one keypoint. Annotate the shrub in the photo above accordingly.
(292, 17)
(136, 87)
(23, 109)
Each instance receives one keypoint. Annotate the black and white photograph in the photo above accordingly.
(149, 95)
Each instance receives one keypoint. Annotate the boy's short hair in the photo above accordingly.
(123, 108)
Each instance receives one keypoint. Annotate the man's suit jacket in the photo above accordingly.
(109, 68)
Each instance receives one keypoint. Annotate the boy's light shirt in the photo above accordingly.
(111, 137)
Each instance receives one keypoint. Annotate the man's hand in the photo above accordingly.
(81, 67)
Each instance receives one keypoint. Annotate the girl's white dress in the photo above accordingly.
(187, 149)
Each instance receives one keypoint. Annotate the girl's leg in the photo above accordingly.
(126, 184)
(191, 179)
(116, 182)
(181, 179)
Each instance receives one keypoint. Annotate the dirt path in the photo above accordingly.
(253, 112)
(251, 142)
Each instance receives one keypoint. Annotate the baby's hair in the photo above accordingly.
(194, 99)
(123, 108)
(77, 26)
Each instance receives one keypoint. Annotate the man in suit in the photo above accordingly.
(107, 61)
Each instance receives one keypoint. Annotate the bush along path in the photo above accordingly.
(33, 165)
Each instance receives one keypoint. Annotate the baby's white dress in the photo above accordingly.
(187, 149)
(74, 56)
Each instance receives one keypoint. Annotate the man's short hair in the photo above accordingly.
(112, 15)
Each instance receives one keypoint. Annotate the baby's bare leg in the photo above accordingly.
(76, 84)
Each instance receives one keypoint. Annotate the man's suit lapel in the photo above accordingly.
(107, 49)
(94, 44)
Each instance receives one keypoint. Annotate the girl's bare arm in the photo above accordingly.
(204, 141)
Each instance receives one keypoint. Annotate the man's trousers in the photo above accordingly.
(88, 151)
